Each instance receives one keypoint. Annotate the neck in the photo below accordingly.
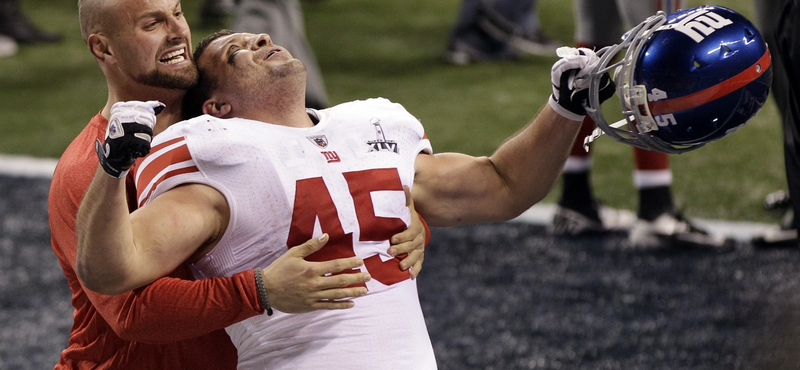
(285, 107)
(285, 117)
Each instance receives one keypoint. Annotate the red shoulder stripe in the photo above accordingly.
(161, 157)
(176, 172)
(166, 144)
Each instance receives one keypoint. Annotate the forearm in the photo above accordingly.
(456, 189)
(529, 163)
(105, 241)
(173, 309)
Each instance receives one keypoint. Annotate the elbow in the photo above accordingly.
(97, 282)
(511, 212)
(96, 273)
(133, 333)
(516, 207)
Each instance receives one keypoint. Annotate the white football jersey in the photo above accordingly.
(284, 185)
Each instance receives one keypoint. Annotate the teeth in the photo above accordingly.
(175, 60)
(174, 57)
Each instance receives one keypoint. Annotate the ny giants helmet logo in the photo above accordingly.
(696, 26)
(699, 25)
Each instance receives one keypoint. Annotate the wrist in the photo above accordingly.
(262, 292)
(427, 230)
(564, 112)
(107, 167)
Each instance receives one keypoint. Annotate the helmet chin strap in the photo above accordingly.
(597, 132)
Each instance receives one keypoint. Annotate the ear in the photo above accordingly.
(216, 108)
(99, 47)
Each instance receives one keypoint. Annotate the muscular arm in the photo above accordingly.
(455, 189)
(118, 251)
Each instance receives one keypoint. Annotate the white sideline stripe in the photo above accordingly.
(741, 231)
(15, 165)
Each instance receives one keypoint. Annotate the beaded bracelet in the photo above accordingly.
(262, 292)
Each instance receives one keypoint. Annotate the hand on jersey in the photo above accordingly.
(128, 135)
(570, 76)
(409, 245)
(295, 285)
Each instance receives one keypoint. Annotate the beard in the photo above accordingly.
(293, 68)
(182, 80)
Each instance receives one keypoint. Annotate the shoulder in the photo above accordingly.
(371, 103)
(188, 127)
(375, 108)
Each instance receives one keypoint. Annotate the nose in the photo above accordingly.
(261, 40)
(178, 27)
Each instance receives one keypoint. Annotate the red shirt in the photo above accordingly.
(173, 323)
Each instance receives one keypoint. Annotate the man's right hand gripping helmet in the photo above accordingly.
(685, 79)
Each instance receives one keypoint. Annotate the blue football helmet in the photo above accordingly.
(685, 79)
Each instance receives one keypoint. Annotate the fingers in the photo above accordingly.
(409, 200)
(410, 234)
(333, 305)
(342, 280)
(337, 291)
(306, 249)
(417, 243)
(413, 261)
(327, 267)
(341, 293)
(155, 106)
(408, 239)
(337, 299)
(143, 113)
(417, 268)
(152, 106)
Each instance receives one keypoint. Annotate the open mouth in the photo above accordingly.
(174, 57)
(272, 52)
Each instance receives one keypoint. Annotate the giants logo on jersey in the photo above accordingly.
(698, 25)
(331, 157)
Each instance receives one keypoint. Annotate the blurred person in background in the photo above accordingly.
(658, 223)
(16, 28)
(14, 24)
(8, 46)
(778, 21)
(215, 14)
(496, 30)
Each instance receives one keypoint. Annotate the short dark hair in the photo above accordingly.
(193, 101)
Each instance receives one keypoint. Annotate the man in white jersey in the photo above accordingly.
(216, 190)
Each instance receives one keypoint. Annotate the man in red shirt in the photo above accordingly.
(144, 49)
